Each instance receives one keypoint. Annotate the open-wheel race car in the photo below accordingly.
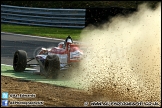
(51, 60)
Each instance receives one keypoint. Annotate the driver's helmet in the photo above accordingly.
(68, 40)
(61, 44)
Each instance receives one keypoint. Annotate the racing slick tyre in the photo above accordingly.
(52, 66)
(19, 61)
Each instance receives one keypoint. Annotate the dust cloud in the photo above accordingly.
(122, 61)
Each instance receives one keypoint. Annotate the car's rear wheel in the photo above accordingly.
(19, 61)
(52, 66)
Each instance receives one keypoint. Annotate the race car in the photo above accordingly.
(50, 60)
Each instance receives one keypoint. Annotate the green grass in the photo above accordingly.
(60, 33)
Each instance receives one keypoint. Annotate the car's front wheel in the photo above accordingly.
(52, 66)
(19, 61)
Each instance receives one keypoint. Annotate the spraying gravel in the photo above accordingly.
(122, 61)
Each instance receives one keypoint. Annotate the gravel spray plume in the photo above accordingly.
(122, 61)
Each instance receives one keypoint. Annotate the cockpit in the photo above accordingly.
(68, 40)
(61, 45)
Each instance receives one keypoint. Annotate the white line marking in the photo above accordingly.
(34, 36)
(7, 65)
(24, 71)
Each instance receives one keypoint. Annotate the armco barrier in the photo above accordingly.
(65, 18)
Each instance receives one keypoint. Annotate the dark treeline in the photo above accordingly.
(79, 4)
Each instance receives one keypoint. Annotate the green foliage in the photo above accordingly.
(79, 4)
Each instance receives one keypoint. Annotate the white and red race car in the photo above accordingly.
(51, 60)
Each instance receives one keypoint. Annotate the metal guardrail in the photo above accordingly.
(65, 18)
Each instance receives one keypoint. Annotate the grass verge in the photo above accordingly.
(60, 33)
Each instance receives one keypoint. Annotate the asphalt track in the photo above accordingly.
(31, 44)
(11, 42)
